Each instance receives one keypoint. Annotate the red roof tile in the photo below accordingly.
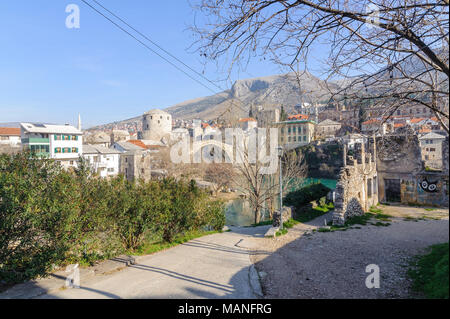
(137, 143)
(416, 120)
(247, 119)
(10, 131)
(371, 121)
(298, 117)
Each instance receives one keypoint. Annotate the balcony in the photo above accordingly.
(35, 140)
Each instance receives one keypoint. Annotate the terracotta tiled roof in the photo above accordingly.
(425, 130)
(371, 121)
(137, 143)
(205, 125)
(247, 119)
(416, 120)
(396, 125)
(298, 117)
(10, 131)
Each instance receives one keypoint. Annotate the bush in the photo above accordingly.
(215, 212)
(38, 209)
(305, 195)
(50, 216)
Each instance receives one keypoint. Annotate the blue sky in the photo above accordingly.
(49, 73)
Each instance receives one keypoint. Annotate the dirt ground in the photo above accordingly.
(309, 264)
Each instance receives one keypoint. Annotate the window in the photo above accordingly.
(294, 129)
(74, 149)
(289, 139)
(75, 137)
(282, 130)
(304, 138)
(57, 150)
(295, 138)
(432, 149)
(66, 137)
(289, 130)
(57, 137)
(369, 187)
(71, 162)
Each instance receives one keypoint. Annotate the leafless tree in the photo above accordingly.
(260, 187)
(220, 174)
(389, 53)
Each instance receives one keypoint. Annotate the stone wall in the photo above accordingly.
(357, 187)
(399, 159)
(286, 213)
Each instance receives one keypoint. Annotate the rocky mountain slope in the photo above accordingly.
(270, 91)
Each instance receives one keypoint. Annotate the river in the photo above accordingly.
(239, 213)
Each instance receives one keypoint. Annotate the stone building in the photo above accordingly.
(135, 165)
(295, 133)
(266, 117)
(156, 125)
(402, 175)
(431, 146)
(357, 187)
(327, 128)
(119, 136)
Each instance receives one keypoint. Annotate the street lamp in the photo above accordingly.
(280, 154)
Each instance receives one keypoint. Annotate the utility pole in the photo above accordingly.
(280, 154)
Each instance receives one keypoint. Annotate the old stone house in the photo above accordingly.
(327, 128)
(431, 146)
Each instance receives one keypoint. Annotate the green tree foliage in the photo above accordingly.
(305, 195)
(50, 216)
(283, 114)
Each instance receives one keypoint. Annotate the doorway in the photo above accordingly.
(392, 190)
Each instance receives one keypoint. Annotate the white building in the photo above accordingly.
(63, 143)
(104, 161)
(9, 136)
(351, 139)
(248, 124)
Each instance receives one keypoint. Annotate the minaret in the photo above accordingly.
(79, 122)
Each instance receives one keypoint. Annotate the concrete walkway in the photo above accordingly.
(214, 266)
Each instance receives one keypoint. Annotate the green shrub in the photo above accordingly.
(305, 195)
(50, 216)
(38, 210)
(215, 212)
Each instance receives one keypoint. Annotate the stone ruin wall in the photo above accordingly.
(357, 187)
(399, 157)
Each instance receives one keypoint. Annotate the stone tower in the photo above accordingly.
(156, 124)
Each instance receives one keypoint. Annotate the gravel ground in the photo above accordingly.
(305, 264)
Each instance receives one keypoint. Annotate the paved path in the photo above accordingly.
(214, 266)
